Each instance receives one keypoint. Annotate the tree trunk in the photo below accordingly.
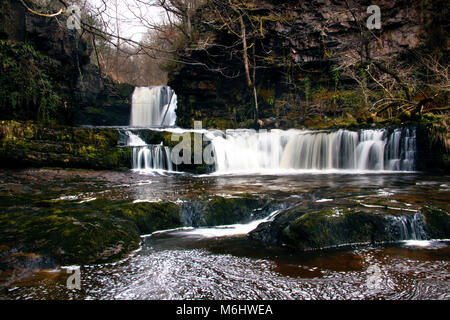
(244, 41)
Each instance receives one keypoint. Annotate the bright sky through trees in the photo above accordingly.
(130, 14)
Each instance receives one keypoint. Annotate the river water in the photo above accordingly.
(222, 263)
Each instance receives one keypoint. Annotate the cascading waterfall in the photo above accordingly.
(366, 150)
(278, 151)
(401, 150)
(153, 107)
(149, 157)
(409, 227)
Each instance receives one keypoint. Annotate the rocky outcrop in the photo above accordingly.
(42, 59)
(67, 232)
(101, 101)
(28, 144)
(434, 147)
(45, 34)
(305, 228)
(98, 231)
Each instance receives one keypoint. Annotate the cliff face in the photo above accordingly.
(26, 144)
(297, 49)
(49, 36)
(72, 90)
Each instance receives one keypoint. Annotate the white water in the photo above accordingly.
(246, 151)
(153, 107)
(149, 157)
(293, 151)
(223, 231)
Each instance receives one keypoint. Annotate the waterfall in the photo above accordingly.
(149, 157)
(277, 151)
(153, 107)
(367, 150)
(401, 150)
(408, 227)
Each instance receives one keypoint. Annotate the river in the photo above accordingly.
(222, 263)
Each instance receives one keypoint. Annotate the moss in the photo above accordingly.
(334, 227)
(27, 86)
(72, 233)
(304, 228)
(30, 144)
(225, 211)
(151, 217)
(437, 222)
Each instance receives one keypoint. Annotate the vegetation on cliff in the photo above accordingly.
(309, 62)
(27, 84)
(28, 144)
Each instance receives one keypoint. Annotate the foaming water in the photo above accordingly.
(240, 151)
(221, 231)
(149, 158)
(435, 244)
(292, 152)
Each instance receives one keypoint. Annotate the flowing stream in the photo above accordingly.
(220, 262)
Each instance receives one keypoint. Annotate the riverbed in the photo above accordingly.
(221, 262)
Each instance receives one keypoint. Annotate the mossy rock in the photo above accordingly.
(334, 227)
(151, 217)
(226, 211)
(304, 228)
(68, 232)
(437, 222)
(31, 144)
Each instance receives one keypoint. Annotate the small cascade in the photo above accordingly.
(409, 227)
(153, 107)
(366, 150)
(152, 158)
(401, 150)
(149, 157)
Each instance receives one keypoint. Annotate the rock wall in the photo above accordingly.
(297, 48)
(26, 144)
(83, 96)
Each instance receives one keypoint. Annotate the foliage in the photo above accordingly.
(26, 87)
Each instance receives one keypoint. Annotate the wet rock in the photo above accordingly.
(304, 229)
(69, 232)
(437, 222)
(219, 211)
(226, 211)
